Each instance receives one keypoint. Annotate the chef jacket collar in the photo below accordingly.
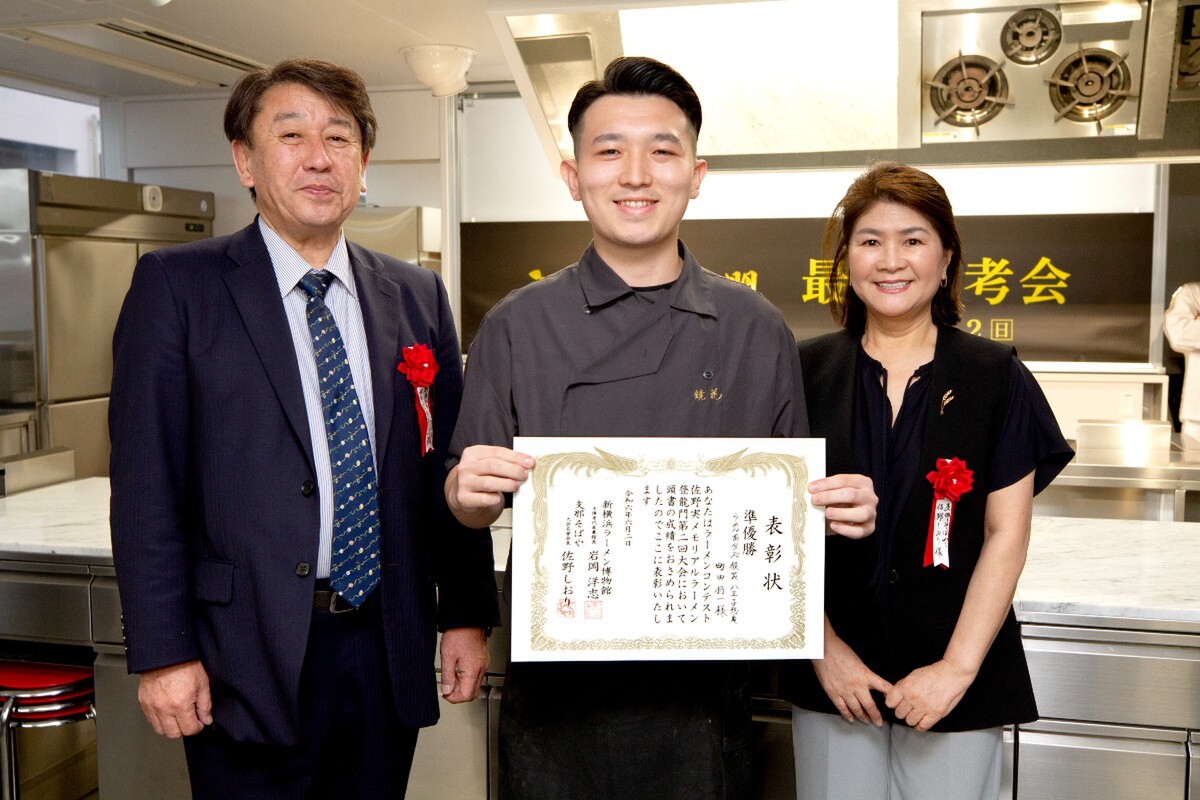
(601, 285)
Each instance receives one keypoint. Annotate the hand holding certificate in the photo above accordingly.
(657, 549)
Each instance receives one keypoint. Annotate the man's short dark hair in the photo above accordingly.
(342, 87)
(635, 75)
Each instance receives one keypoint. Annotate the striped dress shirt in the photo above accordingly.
(342, 300)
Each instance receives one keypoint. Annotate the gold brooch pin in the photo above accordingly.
(946, 398)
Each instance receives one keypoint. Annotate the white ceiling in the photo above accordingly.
(366, 35)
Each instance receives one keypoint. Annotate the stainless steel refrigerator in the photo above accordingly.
(411, 233)
(68, 247)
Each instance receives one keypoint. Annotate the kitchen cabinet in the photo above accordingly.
(1115, 676)
(133, 760)
(1074, 761)
(1086, 678)
(44, 601)
(1111, 627)
(453, 757)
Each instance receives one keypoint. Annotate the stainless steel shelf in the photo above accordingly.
(1116, 484)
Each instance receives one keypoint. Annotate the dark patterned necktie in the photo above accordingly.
(354, 570)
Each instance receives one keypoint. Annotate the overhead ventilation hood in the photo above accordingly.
(774, 76)
(558, 54)
(790, 77)
(1012, 72)
(138, 48)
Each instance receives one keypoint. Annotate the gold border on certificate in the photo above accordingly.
(623, 458)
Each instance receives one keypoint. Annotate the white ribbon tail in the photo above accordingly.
(423, 399)
(943, 510)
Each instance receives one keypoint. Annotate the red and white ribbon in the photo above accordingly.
(951, 480)
(420, 367)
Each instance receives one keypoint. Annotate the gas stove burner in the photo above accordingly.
(968, 91)
(1031, 36)
(1090, 85)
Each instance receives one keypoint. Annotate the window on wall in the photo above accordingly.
(36, 156)
(41, 132)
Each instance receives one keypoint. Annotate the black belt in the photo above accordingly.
(326, 599)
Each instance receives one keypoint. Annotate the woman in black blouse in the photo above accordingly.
(921, 644)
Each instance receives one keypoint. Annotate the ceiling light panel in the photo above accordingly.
(789, 76)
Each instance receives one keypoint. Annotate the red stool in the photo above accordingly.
(35, 695)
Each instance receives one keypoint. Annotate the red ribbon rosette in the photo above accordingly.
(419, 366)
(951, 480)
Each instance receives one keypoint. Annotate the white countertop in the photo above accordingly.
(1111, 568)
(66, 519)
(1102, 568)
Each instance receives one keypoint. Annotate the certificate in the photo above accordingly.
(661, 549)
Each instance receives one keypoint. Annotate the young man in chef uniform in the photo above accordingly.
(636, 339)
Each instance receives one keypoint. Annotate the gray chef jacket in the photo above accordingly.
(580, 353)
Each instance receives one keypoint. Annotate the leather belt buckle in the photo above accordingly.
(338, 604)
(334, 603)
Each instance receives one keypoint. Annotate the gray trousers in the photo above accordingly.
(837, 760)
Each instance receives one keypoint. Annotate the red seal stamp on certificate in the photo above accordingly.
(593, 609)
(566, 608)
(420, 367)
(951, 480)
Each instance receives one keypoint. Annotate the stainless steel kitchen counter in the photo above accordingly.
(1111, 483)
(1111, 613)
(1173, 469)
(1181, 471)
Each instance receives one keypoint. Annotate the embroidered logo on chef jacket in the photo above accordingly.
(712, 393)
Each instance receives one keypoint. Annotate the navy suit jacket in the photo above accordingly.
(215, 520)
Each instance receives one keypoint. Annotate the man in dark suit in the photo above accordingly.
(281, 407)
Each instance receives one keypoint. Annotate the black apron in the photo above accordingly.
(626, 730)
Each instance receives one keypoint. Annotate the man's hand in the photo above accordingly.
(176, 700)
(475, 487)
(464, 663)
(849, 502)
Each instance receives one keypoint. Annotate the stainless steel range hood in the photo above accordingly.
(819, 78)
(1130, 44)
(774, 76)
(558, 53)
